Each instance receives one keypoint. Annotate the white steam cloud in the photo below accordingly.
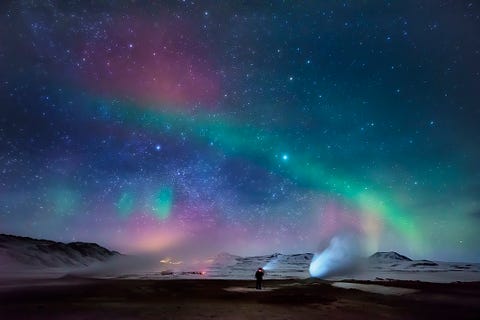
(342, 256)
(271, 265)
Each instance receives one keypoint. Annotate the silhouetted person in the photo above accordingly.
(259, 276)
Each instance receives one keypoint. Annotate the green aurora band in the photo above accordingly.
(162, 202)
(246, 140)
(126, 204)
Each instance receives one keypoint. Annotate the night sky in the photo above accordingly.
(250, 127)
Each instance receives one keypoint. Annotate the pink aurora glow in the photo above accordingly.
(151, 63)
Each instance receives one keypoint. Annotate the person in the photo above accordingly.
(259, 276)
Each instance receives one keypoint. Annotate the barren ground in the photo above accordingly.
(77, 298)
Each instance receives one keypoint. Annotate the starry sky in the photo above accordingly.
(250, 127)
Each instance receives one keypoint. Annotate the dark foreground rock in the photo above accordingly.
(77, 298)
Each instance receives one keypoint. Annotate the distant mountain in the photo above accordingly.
(18, 251)
(388, 257)
(225, 259)
(276, 265)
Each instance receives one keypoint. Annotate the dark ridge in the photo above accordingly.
(29, 251)
(426, 263)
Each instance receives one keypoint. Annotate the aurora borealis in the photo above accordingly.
(247, 127)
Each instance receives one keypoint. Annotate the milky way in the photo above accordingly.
(204, 126)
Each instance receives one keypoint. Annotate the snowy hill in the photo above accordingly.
(394, 260)
(224, 259)
(23, 252)
(388, 257)
(276, 266)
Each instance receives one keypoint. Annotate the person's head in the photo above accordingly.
(260, 269)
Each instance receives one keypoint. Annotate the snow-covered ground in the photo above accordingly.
(279, 266)
(30, 258)
(375, 288)
(420, 270)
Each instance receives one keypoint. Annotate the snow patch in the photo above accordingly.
(374, 288)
